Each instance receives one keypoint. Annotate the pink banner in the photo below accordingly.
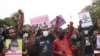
(14, 53)
(40, 20)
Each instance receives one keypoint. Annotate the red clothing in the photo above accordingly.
(63, 45)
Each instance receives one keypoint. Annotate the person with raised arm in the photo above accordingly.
(61, 45)
(44, 42)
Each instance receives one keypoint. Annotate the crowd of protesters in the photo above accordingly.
(44, 41)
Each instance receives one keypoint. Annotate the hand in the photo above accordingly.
(61, 53)
(58, 17)
(20, 11)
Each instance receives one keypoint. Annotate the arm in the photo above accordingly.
(93, 28)
(56, 26)
(20, 23)
(79, 27)
(32, 37)
(71, 29)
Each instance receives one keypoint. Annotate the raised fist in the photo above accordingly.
(20, 11)
(58, 17)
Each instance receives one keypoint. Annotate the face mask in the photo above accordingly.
(45, 33)
(86, 32)
(25, 35)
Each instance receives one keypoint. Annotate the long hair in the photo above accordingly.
(7, 31)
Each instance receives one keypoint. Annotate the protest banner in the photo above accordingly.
(61, 21)
(40, 21)
(85, 17)
(14, 47)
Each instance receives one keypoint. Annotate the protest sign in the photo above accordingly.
(41, 21)
(14, 47)
(85, 17)
(61, 21)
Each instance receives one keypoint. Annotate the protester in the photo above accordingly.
(61, 44)
(97, 46)
(75, 42)
(42, 40)
(44, 43)
(14, 34)
(86, 47)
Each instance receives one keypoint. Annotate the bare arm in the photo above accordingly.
(93, 27)
(32, 37)
(21, 22)
(56, 26)
(71, 29)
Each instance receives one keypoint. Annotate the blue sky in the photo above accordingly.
(33, 8)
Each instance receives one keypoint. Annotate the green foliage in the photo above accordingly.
(9, 21)
(94, 9)
(2, 22)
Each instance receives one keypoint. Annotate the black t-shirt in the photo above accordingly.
(88, 49)
(44, 45)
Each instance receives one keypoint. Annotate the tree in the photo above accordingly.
(9, 21)
(94, 9)
(2, 22)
